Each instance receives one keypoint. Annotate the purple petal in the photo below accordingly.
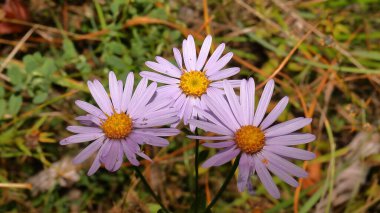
(88, 151)
(180, 105)
(244, 102)
(127, 93)
(275, 113)
(283, 175)
(110, 158)
(263, 103)
(159, 131)
(150, 139)
(136, 138)
(210, 127)
(84, 129)
(211, 138)
(210, 117)
(219, 64)
(96, 163)
(164, 68)
(114, 91)
(142, 100)
(233, 101)
(168, 92)
(266, 178)
(222, 74)
(169, 66)
(179, 102)
(156, 122)
(185, 53)
(86, 120)
(187, 110)
(120, 85)
(143, 155)
(214, 57)
(287, 127)
(284, 164)
(178, 57)
(219, 145)
(131, 156)
(290, 152)
(159, 104)
(119, 160)
(158, 114)
(105, 148)
(79, 138)
(93, 110)
(192, 52)
(220, 85)
(103, 97)
(219, 106)
(251, 99)
(221, 158)
(140, 89)
(96, 121)
(279, 172)
(192, 128)
(244, 172)
(159, 78)
(205, 49)
(289, 140)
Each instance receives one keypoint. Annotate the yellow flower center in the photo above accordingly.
(194, 83)
(250, 139)
(117, 126)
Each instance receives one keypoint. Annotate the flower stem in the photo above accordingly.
(224, 186)
(196, 171)
(158, 200)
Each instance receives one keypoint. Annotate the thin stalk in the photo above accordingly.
(158, 200)
(224, 186)
(196, 165)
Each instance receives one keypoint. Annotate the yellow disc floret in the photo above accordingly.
(117, 126)
(194, 83)
(250, 139)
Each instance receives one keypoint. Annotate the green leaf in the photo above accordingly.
(2, 92)
(154, 207)
(33, 62)
(115, 6)
(3, 105)
(115, 62)
(116, 48)
(69, 51)
(7, 136)
(82, 65)
(40, 97)
(16, 76)
(48, 67)
(14, 104)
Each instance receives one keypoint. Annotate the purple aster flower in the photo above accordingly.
(187, 84)
(122, 123)
(245, 130)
